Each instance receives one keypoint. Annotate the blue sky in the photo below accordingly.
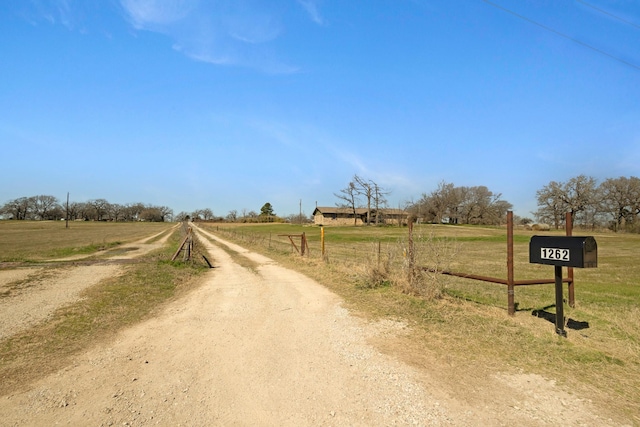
(230, 104)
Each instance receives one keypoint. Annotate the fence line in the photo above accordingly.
(398, 260)
(334, 251)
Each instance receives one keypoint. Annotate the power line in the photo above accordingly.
(558, 33)
(633, 24)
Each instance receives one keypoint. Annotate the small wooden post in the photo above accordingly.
(322, 240)
(187, 249)
(188, 241)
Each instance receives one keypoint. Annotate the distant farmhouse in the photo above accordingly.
(345, 216)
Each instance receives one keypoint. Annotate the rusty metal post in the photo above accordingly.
(322, 240)
(411, 254)
(569, 231)
(510, 276)
(303, 244)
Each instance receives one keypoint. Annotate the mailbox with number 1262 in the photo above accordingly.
(565, 251)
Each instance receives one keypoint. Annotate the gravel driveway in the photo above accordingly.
(269, 346)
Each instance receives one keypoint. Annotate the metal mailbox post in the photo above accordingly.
(563, 251)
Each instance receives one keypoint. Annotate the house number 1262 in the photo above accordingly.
(554, 254)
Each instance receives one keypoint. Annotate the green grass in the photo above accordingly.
(469, 325)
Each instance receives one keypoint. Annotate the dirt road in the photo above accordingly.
(270, 347)
(32, 294)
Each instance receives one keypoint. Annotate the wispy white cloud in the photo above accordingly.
(223, 32)
(148, 14)
(312, 9)
(54, 12)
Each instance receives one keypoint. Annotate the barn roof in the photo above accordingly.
(328, 210)
(325, 210)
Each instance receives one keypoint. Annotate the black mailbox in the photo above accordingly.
(564, 251)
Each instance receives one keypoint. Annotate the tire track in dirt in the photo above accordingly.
(266, 346)
(31, 295)
(273, 348)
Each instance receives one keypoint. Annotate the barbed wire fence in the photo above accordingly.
(372, 262)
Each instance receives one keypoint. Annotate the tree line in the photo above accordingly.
(448, 203)
(266, 214)
(45, 207)
(461, 205)
(614, 203)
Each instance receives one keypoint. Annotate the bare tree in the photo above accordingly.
(577, 196)
(100, 208)
(116, 211)
(620, 198)
(42, 204)
(166, 213)
(207, 214)
(364, 187)
(73, 210)
(479, 205)
(232, 216)
(379, 199)
(349, 198)
(16, 209)
(580, 195)
(467, 205)
(156, 213)
(132, 211)
(440, 204)
(374, 195)
(182, 216)
(551, 205)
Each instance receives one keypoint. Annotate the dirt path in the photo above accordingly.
(30, 295)
(267, 347)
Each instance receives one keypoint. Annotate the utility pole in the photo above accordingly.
(66, 225)
(300, 217)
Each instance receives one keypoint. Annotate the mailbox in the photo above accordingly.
(564, 251)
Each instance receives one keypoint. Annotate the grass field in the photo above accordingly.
(104, 309)
(38, 240)
(469, 325)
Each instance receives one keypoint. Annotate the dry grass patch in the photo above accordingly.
(38, 240)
